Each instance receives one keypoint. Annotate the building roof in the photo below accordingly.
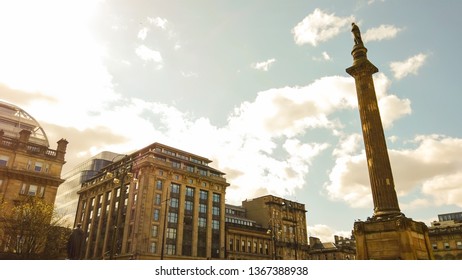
(14, 119)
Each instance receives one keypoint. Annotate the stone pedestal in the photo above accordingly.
(396, 238)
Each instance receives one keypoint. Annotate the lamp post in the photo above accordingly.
(125, 173)
(164, 228)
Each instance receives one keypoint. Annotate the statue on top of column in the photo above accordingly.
(356, 34)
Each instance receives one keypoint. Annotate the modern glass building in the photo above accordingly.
(67, 197)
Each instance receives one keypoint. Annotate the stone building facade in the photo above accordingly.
(446, 236)
(156, 203)
(28, 167)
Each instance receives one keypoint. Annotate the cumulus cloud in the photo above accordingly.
(158, 21)
(435, 161)
(148, 54)
(264, 65)
(319, 26)
(326, 233)
(380, 33)
(401, 69)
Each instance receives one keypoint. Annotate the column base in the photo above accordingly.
(392, 238)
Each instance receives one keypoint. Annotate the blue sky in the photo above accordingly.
(259, 87)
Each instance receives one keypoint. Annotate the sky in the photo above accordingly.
(259, 87)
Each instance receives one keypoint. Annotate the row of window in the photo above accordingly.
(37, 166)
(446, 246)
(249, 246)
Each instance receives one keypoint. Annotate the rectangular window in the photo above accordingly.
(174, 202)
(32, 190)
(435, 246)
(189, 192)
(153, 248)
(159, 184)
(172, 217)
(446, 245)
(38, 166)
(203, 195)
(171, 233)
(154, 230)
(215, 211)
(202, 172)
(157, 199)
(216, 197)
(23, 189)
(202, 208)
(174, 188)
(215, 224)
(156, 215)
(176, 164)
(4, 160)
(171, 249)
(188, 206)
(459, 244)
(202, 222)
(190, 168)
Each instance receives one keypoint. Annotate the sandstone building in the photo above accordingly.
(446, 236)
(156, 203)
(28, 167)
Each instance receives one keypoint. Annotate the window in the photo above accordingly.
(157, 199)
(174, 202)
(154, 230)
(38, 166)
(459, 244)
(159, 184)
(203, 195)
(446, 245)
(189, 192)
(215, 211)
(153, 247)
(174, 188)
(188, 206)
(171, 233)
(171, 249)
(202, 172)
(190, 168)
(435, 246)
(216, 197)
(202, 208)
(215, 224)
(176, 164)
(156, 215)
(4, 160)
(172, 217)
(202, 222)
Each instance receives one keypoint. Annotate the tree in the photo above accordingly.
(27, 227)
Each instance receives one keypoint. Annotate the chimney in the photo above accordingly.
(61, 150)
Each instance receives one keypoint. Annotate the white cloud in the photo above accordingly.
(319, 27)
(326, 233)
(381, 33)
(436, 163)
(409, 66)
(159, 22)
(264, 66)
(147, 54)
(324, 57)
(143, 33)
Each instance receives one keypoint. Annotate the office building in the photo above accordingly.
(156, 203)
